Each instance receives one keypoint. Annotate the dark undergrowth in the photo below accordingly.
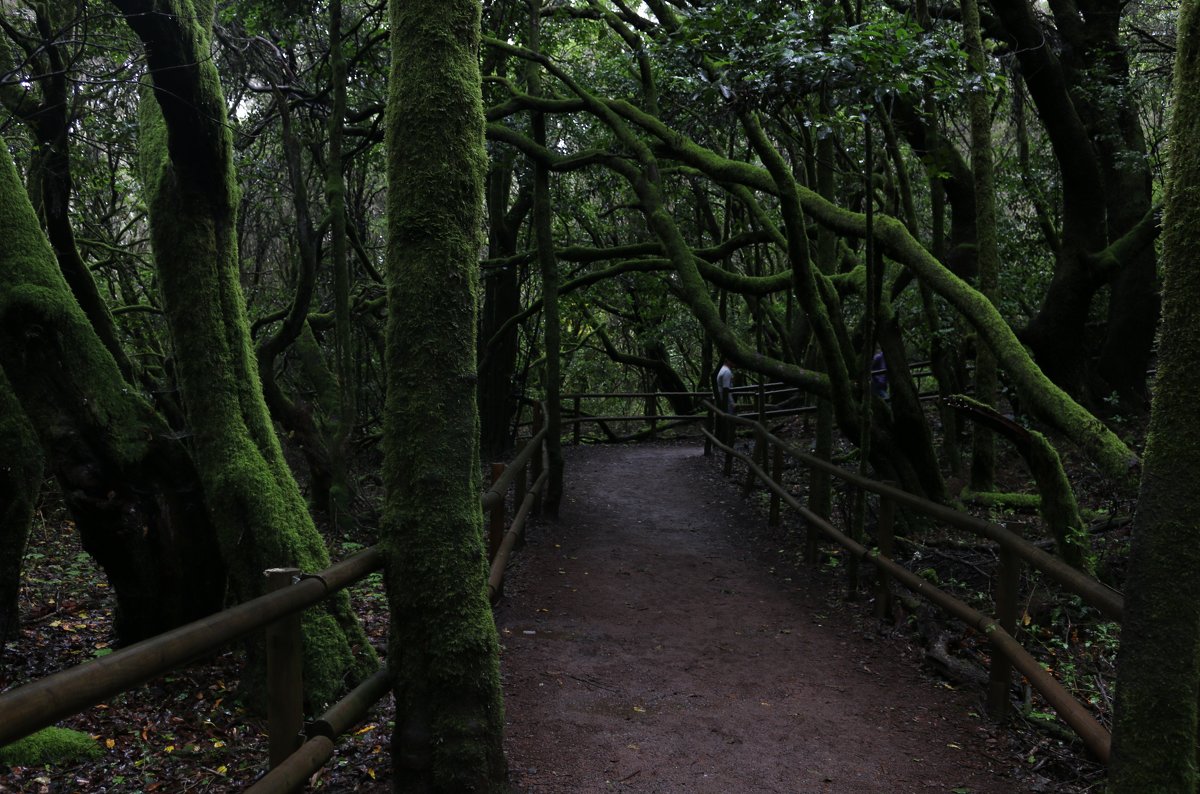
(188, 731)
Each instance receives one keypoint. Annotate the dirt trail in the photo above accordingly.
(646, 647)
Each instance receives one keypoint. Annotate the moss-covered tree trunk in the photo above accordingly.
(128, 482)
(1158, 672)
(443, 649)
(186, 158)
(983, 448)
(551, 322)
(20, 481)
(340, 491)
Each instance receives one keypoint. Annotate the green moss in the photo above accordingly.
(260, 516)
(854, 281)
(1013, 501)
(1044, 398)
(1058, 507)
(50, 746)
(443, 647)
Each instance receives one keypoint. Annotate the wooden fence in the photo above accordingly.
(1007, 652)
(296, 750)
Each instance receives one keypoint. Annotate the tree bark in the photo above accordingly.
(127, 480)
(983, 448)
(443, 647)
(1158, 672)
(186, 156)
(551, 322)
(20, 482)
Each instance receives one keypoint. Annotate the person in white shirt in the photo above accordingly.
(725, 386)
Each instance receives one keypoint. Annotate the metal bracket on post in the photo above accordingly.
(285, 683)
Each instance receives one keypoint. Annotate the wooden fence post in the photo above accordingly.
(885, 539)
(858, 517)
(537, 461)
(777, 477)
(496, 520)
(1008, 580)
(578, 420)
(521, 481)
(285, 685)
(756, 455)
(810, 531)
(652, 407)
(712, 428)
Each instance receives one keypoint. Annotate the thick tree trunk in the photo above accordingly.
(501, 301)
(1081, 90)
(129, 484)
(443, 648)
(255, 505)
(1158, 674)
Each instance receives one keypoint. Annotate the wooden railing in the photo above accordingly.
(752, 399)
(296, 750)
(1007, 652)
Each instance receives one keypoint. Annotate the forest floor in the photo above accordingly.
(657, 637)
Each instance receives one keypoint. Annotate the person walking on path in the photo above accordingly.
(724, 396)
(879, 375)
(725, 386)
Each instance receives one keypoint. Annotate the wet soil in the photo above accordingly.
(649, 644)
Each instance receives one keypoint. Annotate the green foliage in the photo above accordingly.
(50, 746)
(766, 52)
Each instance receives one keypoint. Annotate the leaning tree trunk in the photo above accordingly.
(1158, 672)
(186, 156)
(129, 484)
(443, 648)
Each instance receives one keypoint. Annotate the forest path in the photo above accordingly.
(646, 646)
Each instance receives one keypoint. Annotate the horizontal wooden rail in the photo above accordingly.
(629, 394)
(43, 702)
(495, 494)
(1097, 594)
(321, 735)
(570, 420)
(500, 561)
(1094, 735)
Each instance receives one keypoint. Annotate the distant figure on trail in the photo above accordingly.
(725, 386)
(879, 378)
